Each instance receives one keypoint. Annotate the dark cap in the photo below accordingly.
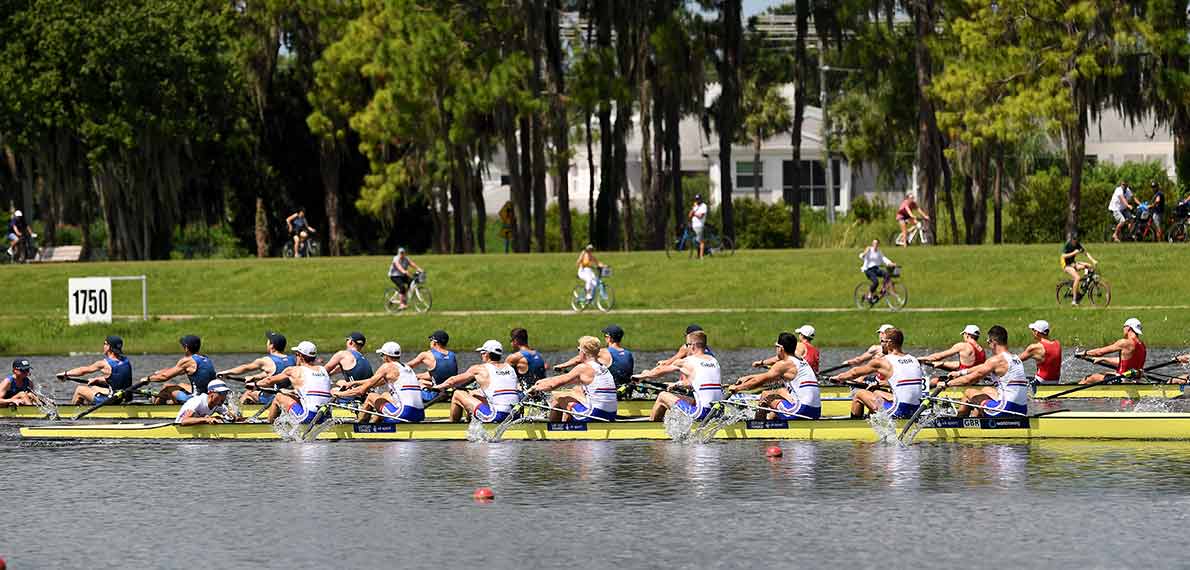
(21, 364)
(698, 197)
(692, 328)
(115, 343)
(787, 341)
(357, 337)
(191, 342)
(276, 339)
(614, 331)
(440, 337)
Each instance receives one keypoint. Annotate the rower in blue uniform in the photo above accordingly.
(351, 361)
(684, 350)
(197, 367)
(115, 374)
(529, 365)
(16, 389)
(440, 363)
(618, 360)
(272, 363)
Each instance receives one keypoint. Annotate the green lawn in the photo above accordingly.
(1017, 281)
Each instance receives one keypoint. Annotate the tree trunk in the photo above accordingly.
(516, 182)
(801, 65)
(730, 34)
(654, 207)
(980, 206)
(656, 222)
(330, 164)
(1181, 147)
(440, 202)
(673, 138)
(475, 183)
(561, 157)
(525, 218)
(968, 208)
(998, 198)
(533, 39)
(620, 159)
(609, 191)
(262, 229)
(590, 182)
(928, 155)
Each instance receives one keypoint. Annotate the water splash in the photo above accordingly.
(1150, 404)
(885, 427)
(677, 425)
(290, 428)
(476, 431)
(232, 403)
(46, 405)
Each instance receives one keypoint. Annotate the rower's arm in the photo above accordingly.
(189, 419)
(972, 375)
(361, 387)
(680, 354)
(515, 360)
(871, 367)
(253, 366)
(569, 363)
(765, 363)
(1109, 349)
(85, 370)
(547, 384)
(167, 373)
(660, 370)
(1184, 358)
(420, 359)
(458, 379)
(753, 381)
(1032, 352)
(945, 353)
(605, 357)
(276, 378)
(335, 364)
(4, 390)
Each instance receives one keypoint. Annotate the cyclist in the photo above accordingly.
(1130, 349)
(1120, 207)
(698, 220)
(588, 266)
(874, 262)
(18, 232)
(399, 274)
(528, 363)
(1157, 209)
(299, 230)
(1070, 251)
(905, 216)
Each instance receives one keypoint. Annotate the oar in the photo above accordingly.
(833, 369)
(1106, 380)
(969, 404)
(235, 378)
(761, 408)
(917, 414)
(117, 395)
(63, 378)
(569, 412)
(370, 412)
(323, 411)
(1091, 359)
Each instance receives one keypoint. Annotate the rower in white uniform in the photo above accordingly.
(1010, 395)
(400, 401)
(497, 393)
(594, 389)
(699, 370)
(309, 380)
(897, 370)
(798, 398)
(208, 408)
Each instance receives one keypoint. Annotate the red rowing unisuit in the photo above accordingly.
(811, 356)
(980, 355)
(1050, 367)
(1134, 362)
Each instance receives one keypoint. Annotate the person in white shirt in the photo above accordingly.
(874, 262)
(208, 408)
(1120, 207)
(698, 220)
(401, 273)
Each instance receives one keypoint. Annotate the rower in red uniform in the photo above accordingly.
(805, 346)
(1131, 353)
(968, 349)
(1046, 351)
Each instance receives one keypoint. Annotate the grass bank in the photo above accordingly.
(235, 300)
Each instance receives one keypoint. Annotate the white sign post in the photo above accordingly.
(89, 300)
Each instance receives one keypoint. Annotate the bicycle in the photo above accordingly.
(916, 231)
(418, 296)
(1091, 286)
(686, 241)
(1178, 230)
(308, 248)
(25, 252)
(894, 293)
(602, 297)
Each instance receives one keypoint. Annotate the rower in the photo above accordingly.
(1131, 354)
(350, 361)
(805, 350)
(402, 397)
(699, 371)
(904, 376)
(618, 360)
(874, 351)
(529, 365)
(497, 392)
(1009, 396)
(309, 379)
(440, 363)
(798, 398)
(968, 350)
(682, 350)
(115, 370)
(272, 363)
(208, 408)
(16, 389)
(1046, 351)
(594, 390)
(195, 366)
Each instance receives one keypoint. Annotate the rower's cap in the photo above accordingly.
(390, 348)
(1042, 327)
(115, 343)
(614, 331)
(218, 387)
(806, 331)
(440, 337)
(276, 339)
(357, 337)
(22, 364)
(1134, 324)
(191, 342)
(971, 330)
(884, 328)
(693, 328)
(306, 348)
(491, 347)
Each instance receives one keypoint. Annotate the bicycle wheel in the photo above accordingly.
(392, 300)
(1177, 233)
(1100, 293)
(896, 238)
(897, 296)
(312, 249)
(605, 298)
(860, 296)
(1064, 293)
(420, 298)
(727, 247)
(578, 298)
(287, 250)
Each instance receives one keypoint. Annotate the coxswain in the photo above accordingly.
(1046, 351)
(400, 401)
(1130, 350)
(272, 363)
(16, 389)
(1009, 396)
(530, 366)
(900, 371)
(439, 361)
(798, 398)
(698, 371)
(497, 393)
(208, 408)
(593, 396)
(195, 366)
(968, 350)
(309, 379)
(115, 374)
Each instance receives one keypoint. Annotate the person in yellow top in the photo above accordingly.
(588, 269)
(1070, 251)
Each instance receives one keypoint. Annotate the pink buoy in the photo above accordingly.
(484, 494)
(773, 451)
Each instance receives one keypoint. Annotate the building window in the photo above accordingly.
(745, 177)
(812, 175)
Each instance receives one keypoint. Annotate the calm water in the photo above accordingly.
(589, 504)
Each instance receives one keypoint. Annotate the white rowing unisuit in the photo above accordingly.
(406, 389)
(601, 392)
(907, 380)
(707, 380)
(1012, 386)
(804, 385)
(199, 406)
(502, 391)
(316, 388)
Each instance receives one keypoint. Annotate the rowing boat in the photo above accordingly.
(835, 402)
(1059, 425)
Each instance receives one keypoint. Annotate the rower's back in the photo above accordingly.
(406, 387)
(1013, 386)
(706, 379)
(601, 392)
(313, 386)
(803, 382)
(907, 379)
(500, 386)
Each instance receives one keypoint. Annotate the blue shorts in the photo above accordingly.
(181, 395)
(265, 398)
(903, 410)
(787, 411)
(303, 415)
(589, 414)
(486, 415)
(691, 409)
(407, 413)
(1003, 407)
(428, 395)
(100, 398)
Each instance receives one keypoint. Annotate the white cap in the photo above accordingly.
(18, 214)
(491, 347)
(218, 387)
(1042, 327)
(971, 330)
(884, 328)
(1134, 324)
(306, 348)
(390, 348)
(806, 331)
